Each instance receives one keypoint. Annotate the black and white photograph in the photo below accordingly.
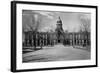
(55, 36)
(48, 36)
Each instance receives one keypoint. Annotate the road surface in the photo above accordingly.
(58, 52)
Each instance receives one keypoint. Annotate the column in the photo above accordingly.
(76, 41)
(39, 42)
(82, 41)
(73, 39)
(43, 39)
(36, 39)
(32, 42)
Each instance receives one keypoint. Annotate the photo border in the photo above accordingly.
(14, 40)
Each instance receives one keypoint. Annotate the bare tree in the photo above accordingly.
(35, 30)
(35, 24)
(85, 22)
(85, 25)
(34, 27)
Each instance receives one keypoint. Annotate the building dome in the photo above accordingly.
(59, 21)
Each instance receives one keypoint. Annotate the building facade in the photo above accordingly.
(37, 39)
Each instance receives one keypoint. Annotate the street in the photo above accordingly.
(58, 52)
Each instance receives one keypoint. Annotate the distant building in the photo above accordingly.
(59, 31)
(59, 36)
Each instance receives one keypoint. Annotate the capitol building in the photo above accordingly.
(38, 39)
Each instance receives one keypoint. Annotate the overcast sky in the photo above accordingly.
(46, 20)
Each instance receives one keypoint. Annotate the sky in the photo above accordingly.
(46, 20)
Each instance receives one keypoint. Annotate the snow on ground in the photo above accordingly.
(56, 53)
